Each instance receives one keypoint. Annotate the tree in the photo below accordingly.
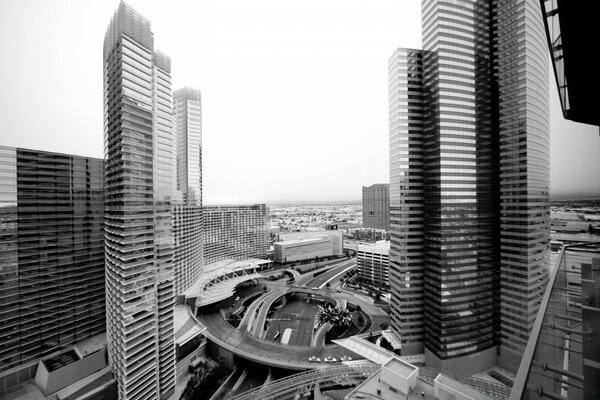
(384, 326)
(328, 285)
(334, 315)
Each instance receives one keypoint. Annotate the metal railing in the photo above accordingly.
(305, 381)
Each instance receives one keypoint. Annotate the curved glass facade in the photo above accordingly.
(522, 66)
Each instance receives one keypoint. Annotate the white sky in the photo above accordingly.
(294, 92)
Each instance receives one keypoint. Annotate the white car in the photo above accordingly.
(345, 358)
(314, 288)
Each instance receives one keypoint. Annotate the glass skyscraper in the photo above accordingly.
(51, 257)
(139, 182)
(188, 222)
(469, 175)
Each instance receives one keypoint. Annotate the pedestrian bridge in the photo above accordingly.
(219, 280)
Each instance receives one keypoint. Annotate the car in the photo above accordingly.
(303, 286)
(296, 286)
(312, 359)
(317, 359)
(314, 288)
(345, 358)
(329, 359)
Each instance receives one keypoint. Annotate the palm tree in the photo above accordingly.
(334, 315)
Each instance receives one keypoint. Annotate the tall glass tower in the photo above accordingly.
(139, 176)
(188, 220)
(469, 183)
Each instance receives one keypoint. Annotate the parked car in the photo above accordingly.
(314, 288)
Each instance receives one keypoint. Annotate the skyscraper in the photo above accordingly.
(187, 109)
(376, 206)
(188, 223)
(469, 183)
(139, 182)
(51, 257)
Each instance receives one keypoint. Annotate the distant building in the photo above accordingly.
(300, 246)
(373, 263)
(235, 232)
(376, 206)
(52, 287)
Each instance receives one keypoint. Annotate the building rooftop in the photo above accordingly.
(303, 241)
(400, 367)
(381, 246)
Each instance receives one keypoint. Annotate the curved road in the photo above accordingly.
(250, 347)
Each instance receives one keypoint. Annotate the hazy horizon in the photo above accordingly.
(294, 95)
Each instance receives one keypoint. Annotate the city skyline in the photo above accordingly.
(301, 57)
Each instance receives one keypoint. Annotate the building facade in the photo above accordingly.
(469, 175)
(376, 206)
(373, 263)
(139, 183)
(51, 257)
(188, 222)
(235, 232)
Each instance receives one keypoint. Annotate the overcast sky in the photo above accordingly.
(294, 92)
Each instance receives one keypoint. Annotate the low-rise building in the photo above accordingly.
(373, 263)
(300, 246)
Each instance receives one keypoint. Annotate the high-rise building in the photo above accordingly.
(469, 170)
(51, 257)
(139, 183)
(187, 109)
(376, 206)
(373, 264)
(235, 232)
(188, 223)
